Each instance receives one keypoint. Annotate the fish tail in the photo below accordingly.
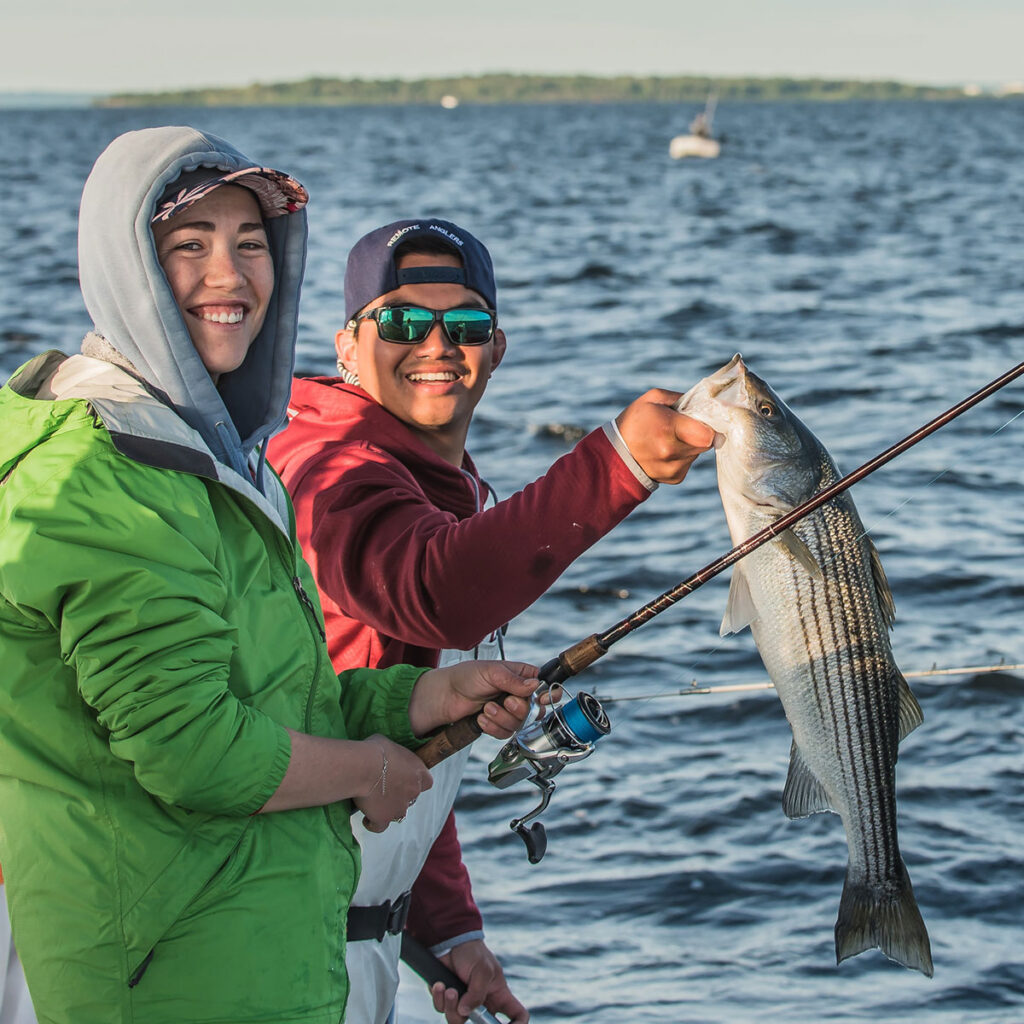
(883, 917)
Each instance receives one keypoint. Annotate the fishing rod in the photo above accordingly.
(696, 689)
(576, 658)
(544, 745)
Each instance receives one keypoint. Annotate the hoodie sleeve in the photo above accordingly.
(127, 564)
(386, 556)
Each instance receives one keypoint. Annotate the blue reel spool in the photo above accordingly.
(584, 719)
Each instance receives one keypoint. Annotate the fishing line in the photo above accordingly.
(696, 689)
(938, 476)
(705, 658)
(574, 659)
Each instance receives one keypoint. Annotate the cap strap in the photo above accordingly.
(432, 275)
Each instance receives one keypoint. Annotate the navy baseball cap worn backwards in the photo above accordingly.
(371, 269)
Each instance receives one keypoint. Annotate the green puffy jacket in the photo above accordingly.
(158, 630)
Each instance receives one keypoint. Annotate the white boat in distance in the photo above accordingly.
(699, 142)
(693, 145)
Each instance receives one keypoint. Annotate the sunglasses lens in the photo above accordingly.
(468, 326)
(405, 324)
(408, 325)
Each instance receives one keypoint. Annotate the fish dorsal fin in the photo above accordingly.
(911, 715)
(800, 551)
(885, 601)
(739, 608)
(804, 794)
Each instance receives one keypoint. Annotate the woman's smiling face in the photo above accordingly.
(217, 261)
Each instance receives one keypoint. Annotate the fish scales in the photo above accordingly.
(820, 611)
(827, 616)
(848, 668)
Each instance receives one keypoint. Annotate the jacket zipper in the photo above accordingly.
(140, 970)
(310, 607)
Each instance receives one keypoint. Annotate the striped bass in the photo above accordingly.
(820, 610)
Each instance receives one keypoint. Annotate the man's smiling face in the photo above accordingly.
(433, 386)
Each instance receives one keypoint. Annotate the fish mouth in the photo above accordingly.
(701, 402)
(733, 373)
(716, 389)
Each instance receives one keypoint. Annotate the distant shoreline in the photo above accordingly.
(46, 100)
(515, 89)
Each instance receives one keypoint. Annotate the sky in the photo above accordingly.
(102, 46)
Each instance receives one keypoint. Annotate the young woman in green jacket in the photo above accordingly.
(178, 760)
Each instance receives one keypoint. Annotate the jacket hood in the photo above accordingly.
(325, 412)
(133, 308)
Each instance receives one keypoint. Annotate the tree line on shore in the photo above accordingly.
(510, 88)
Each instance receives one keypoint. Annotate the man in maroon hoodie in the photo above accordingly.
(413, 567)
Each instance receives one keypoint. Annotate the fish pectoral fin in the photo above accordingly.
(804, 795)
(800, 551)
(739, 608)
(911, 715)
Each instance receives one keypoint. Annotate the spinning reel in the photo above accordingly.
(548, 741)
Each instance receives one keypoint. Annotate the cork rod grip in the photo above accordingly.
(449, 740)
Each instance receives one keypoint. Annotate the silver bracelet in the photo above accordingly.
(383, 780)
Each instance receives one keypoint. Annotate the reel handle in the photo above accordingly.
(449, 740)
(535, 838)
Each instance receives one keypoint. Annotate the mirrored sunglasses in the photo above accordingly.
(409, 325)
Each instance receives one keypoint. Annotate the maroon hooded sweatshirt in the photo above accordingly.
(407, 564)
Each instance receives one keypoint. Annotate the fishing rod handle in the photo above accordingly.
(452, 738)
(431, 970)
(572, 660)
(449, 740)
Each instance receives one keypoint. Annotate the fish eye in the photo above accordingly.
(766, 409)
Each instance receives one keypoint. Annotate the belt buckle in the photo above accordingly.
(392, 921)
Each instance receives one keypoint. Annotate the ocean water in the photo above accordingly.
(865, 259)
